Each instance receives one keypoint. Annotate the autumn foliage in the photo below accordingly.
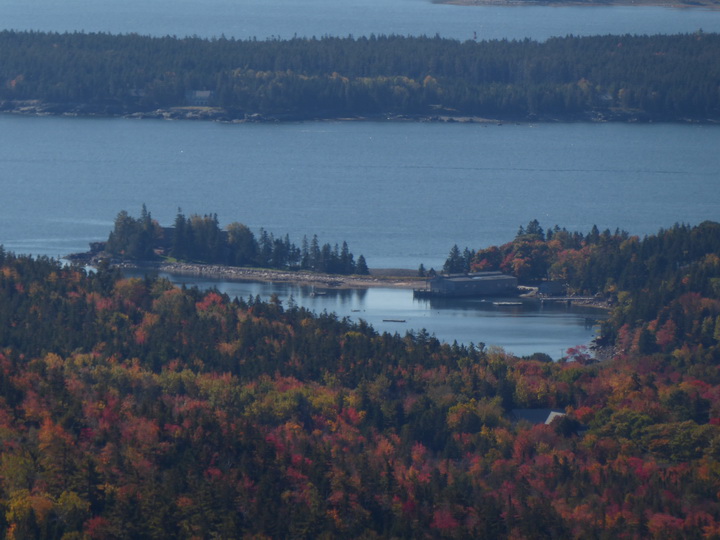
(133, 409)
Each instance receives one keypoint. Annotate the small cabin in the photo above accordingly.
(537, 416)
(199, 98)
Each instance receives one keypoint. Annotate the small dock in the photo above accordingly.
(566, 299)
(423, 293)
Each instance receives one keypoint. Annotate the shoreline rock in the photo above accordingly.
(216, 114)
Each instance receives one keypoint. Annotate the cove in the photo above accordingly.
(520, 330)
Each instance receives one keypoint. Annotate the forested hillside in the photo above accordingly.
(626, 77)
(661, 284)
(133, 409)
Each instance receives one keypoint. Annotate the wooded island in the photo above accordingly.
(598, 78)
(199, 239)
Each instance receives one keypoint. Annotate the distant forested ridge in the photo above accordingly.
(657, 77)
(200, 239)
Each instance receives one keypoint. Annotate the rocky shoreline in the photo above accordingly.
(216, 114)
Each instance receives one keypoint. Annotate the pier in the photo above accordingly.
(566, 299)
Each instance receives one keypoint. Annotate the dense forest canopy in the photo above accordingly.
(130, 408)
(661, 77)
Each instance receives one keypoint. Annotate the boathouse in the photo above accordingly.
(552, 288)
(474, 284)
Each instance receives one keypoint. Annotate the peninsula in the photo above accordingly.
(395, 278)
(197, 246)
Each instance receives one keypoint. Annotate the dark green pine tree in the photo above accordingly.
(455, 263)
(180, 233)
(347, 264)
(362, 268)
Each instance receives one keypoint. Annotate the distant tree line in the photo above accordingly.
(666, 77)
(459, 262)
(200, 239)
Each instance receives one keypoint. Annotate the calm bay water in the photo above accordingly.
(287, 18)
(521, 330)
(399, 193)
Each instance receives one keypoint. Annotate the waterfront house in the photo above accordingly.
(199, 98)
